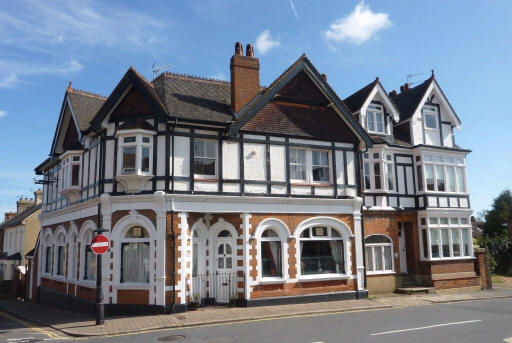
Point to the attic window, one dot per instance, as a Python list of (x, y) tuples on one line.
[(375, 119), (430, 115)]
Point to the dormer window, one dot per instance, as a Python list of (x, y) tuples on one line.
[(70, 175), (375, 119), (135, 152), (430, 115)]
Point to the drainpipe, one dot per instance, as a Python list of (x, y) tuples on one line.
[(173, 236), (361, 185)]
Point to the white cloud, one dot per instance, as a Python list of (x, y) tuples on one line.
[(357, 27), (264, 42), (294, 10), (2, 113), (10, 70)]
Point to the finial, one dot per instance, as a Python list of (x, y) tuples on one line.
[(432, 72), (69, 85)]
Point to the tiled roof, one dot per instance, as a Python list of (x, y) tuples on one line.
[(195, 98), (85, 106), (355, 101), (408, 101), (18, 219)]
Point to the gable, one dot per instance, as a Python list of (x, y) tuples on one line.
[(71, 138), (302, 89), (278, 117), (132, 104), (67, 135)]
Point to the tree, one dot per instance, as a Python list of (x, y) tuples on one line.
[(496, 220)]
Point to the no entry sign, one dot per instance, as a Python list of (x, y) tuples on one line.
[(100, 244)]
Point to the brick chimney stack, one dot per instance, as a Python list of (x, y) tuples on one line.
[(23, 204), (9, 215), (38, 197), (245, 76)]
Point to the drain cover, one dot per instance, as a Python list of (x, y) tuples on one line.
[(171, 338)]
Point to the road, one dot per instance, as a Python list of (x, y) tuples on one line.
[(477, 321)]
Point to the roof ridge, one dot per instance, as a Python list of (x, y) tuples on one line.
[(82, 92), (189, 76), (140, 75)]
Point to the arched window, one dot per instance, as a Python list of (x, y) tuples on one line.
[(89, 257), (225, 233), (73, 253), (60, 254), (47, 252), (195, 251), (135, 255), (322, 251), (379, 254), (271, 254)]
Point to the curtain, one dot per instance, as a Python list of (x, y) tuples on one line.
[(275, 248), (90, 267), (337, 255), (135, 262)]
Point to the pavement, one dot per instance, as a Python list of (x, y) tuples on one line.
[(79, 325)]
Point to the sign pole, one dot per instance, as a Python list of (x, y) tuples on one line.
[(100, 306)]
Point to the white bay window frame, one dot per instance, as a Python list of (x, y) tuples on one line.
[(305, 163), (142, 141), (386, 167), (375, 116), (440, 166)]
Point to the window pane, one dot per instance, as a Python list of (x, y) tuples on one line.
[(420, 178), (229, 262), (429, 176), (48, 262), (434, 242), (204, 166), (137, 232), (271, 259), (463, 221), (320, 158), (269, 233), (388, 264), (199, 148), (431, 121), (443, 221), (460, 180), (90, 264), (377, 251), (376, 239), (145, 140), (129, 139), (320, 174), (450, 174), (425, 242), (456, 242), (440, 178), (128, 159), (367, 175), (135, 262), (376, 173), (446, 243), (61, 252), (370, 121), (145, 159), (220, 263), (391, 177), (465, 241), (379, 120), (75, 172), (320, 257), (369, 258)]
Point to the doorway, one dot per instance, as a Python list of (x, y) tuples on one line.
[(402, 248), (225, 283)]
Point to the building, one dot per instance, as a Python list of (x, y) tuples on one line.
[(416, 212), (214, 190), (19, 234)]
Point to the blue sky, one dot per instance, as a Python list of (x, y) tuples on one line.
[(45, 44)]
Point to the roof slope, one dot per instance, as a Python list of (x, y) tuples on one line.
[(355, 101), (18, 219), (195, 98), (85, 106), (408, 101)]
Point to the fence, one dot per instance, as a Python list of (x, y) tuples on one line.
[(219, 287)]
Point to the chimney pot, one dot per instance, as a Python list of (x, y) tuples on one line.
[(324, 76), (238, 49), (393, 93), (249, 50)]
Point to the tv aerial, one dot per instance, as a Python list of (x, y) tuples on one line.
[(410, 76), (157, 69)]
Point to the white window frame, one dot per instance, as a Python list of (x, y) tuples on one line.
[(444, 162), (138, 144), (282, 246), (436, 223), (86, 240), (72, 255), (309, 168), (385, 165), (371, 112), (59, 243), (143, 240), (47, 243), (216, 158), (430, 111), (374, 247)]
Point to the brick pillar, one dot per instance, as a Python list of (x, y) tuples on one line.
[(483, 267)]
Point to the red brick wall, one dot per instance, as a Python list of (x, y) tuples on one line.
[(245, 80), (86, 293), (302, 288), (53, 284), (455, 283), (129, 296), (453, 266)]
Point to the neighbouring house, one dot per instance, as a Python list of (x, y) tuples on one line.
[(229, 191), (19, 234)]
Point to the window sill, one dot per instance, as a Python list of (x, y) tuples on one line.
[(86, 283), (133, 183), (442, 259), (382, 273), (312, 184), (323, 277), (205, 179), (271, 280), (132, 285)]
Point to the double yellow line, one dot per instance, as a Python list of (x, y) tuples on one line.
[(48, 333)]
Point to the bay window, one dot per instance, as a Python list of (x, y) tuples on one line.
[(379, 254), (310, 166), (446, 238), (135, 154), (322, 251), (442, 174), (379, 171), (135, 256), (375, 119), (271, 254), (205, 158)]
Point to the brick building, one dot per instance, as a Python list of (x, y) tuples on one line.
[(219, 191)]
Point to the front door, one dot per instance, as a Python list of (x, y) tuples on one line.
[(402, 248), (225, 273)]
